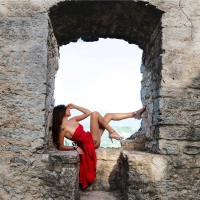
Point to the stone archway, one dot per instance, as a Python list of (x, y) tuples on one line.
[(135, 22)]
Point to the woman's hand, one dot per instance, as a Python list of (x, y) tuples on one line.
[(70, 106), (85, 111), (79, 150)]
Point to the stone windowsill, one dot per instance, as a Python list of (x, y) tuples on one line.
[(67, 157)]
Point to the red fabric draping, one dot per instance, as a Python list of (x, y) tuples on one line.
[(88, 160)]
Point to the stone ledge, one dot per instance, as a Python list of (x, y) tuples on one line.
[(136, 144), (100, 195), (108, 154), (141, 172), (67, 157), (60, 175), (147, 159)]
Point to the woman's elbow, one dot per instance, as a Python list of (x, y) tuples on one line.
[(64, 148), (89, 113), (60, 147)]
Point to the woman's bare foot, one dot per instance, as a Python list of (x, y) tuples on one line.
[(137, 114)]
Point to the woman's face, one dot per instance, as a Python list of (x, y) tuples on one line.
[(68, 113)]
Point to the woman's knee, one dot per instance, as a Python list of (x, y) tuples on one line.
[(108, 116), (95, 114)]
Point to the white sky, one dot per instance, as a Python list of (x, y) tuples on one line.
[(103, 75)]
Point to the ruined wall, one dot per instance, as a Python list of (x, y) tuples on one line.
[(151, 69), (27, 67), (175, 114), (23, 57), (52, 67), (179, 93), (26, 172)]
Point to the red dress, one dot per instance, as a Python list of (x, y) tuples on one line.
[(88, 160)]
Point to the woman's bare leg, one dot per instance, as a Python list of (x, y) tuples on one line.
[(95, 120), (98, 123), (114, 116), (119, 116)]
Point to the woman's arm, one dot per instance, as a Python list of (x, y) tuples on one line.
[(62, 147), (61, 142), (68, 148), (65, 148), (84, 110)]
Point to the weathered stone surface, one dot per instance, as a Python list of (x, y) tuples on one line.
[(191, 150), (101, 195), (135, 135), (20, 160), (151, 176), (60, 176), (90, 24), (67, 157), (187, 132), (178, 148), (186, 161), (137, 141), (141, 172), (151, 70), (169, 147), (108, 172), (52, 67)]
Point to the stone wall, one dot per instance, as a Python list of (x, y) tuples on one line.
[(179, 100), (168, 32), (142, 174), (151, 69), (26, 171), (59, 177), (23, 68), (52, 67), (154, 176)]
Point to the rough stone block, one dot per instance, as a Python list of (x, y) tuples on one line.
[(192, 150), (60, 177), (183, 162), (169, 147), (186, 132), (179, 33), (143, 171), (108, 172), (66, 157), (173, 45), (189, 118), (136, 142)]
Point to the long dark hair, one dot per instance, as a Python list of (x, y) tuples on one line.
[(58, 113)]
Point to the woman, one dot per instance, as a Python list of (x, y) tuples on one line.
[(86, 142)]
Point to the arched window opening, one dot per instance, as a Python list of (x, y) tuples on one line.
[(134, 22), (102, 76)]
